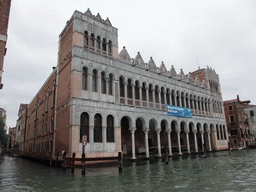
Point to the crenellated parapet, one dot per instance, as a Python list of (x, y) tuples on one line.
[(204, 78)]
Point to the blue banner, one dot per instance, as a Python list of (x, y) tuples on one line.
[(178, 111)]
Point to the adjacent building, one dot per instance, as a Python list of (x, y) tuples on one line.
[(237, 121), (4, 19), (250, 111), (120, 103)]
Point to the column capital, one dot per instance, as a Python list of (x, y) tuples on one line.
[(133, 129), (168, 131), (158, 130), (146, 130)]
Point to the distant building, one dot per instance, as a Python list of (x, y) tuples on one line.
[(119, 103), (250, 111), (237, 122), (20, 127), (12, 138), (4, 19)]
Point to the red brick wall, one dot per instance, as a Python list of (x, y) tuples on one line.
[(4, 18)]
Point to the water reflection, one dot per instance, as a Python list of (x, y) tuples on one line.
[(217, 172)]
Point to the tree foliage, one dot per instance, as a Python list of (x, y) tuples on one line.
[(3, 136)]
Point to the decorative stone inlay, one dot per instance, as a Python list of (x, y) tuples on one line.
[(107, 69), (90, 64), (116, 71)]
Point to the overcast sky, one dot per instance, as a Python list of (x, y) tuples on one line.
[(186, 34)]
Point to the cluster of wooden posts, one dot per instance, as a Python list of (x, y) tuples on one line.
[(70, 162)]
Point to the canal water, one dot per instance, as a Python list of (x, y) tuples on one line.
[(218, 172)]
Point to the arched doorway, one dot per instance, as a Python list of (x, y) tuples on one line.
[(199, 138), (152, 137), (183, 140), (126, 141), (163, 133), (139, 137), (174, 136), (191, 137)]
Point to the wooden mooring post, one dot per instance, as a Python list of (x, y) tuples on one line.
[(57, 158), (64, 161), (166, 156), (73, 163), (120, 162), (83, 164)]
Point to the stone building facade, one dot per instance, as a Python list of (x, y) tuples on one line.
[(237, 121), (120, 102), (4, 19)]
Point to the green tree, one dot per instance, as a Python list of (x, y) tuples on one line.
[(3, 136)]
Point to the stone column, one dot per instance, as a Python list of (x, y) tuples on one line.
[(159, 142), (104, 138), (153, 94), (146, 130), (195, 140), (140, 90), (165, 101), (89, 85), (98, 84), (175, 99), (202, 138), (188, 146), (125, 92), (169, 141), (133, 94), (178, 134), (147, 98), (159, 98), (107, 79), (133, 129), (91, 138), (209, 140)]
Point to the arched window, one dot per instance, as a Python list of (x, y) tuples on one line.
[(199, 108), (104, 45), (187, 101), (168, 96), (162, 96), (53, 94), (121, 83), (110, 129), (97, 128), (221, 133), (156, 94), (47, 100), (129, 89), (195, 103), (150, 93), (103, 83), (178, 99), (86, 38), (45, 128), (191, 101), (218, 133), (94, 80), (182, 100), (202, 102), (44, 101), (84, 126), (110, 84), (173, 97), (92, 40), (110, 47), (137, 90), (224, 131), (84, 78), (42, 133), (98, 42), (52, 124), (144, 92)]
